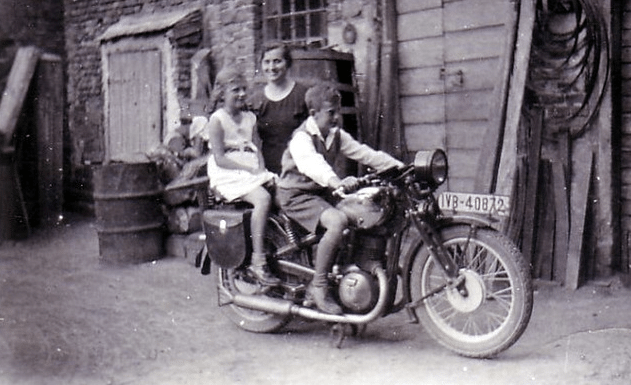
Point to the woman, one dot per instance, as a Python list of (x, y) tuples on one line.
[(279, 105)]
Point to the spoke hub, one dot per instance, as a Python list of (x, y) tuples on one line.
[(474, 293)]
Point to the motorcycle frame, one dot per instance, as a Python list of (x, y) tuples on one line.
[(429, 224), (429, 227)]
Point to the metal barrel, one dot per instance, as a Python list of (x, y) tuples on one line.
[(130, 220)]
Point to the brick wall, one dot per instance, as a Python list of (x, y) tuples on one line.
[(33, 22), (230, 30), (85, 21), (29, 23), (625, 132), (234, 33)]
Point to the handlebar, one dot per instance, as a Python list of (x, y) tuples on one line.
[(371, 178)]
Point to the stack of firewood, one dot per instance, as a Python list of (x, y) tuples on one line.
[(185, 183)]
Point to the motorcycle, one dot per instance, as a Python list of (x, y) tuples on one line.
[(464, 281)]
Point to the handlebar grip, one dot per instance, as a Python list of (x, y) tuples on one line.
[(339, 192)]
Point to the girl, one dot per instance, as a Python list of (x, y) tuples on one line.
[(236, 168)]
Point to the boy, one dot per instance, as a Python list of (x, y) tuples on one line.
[(307, 176)]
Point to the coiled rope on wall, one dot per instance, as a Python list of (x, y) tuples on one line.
[(569, 62)]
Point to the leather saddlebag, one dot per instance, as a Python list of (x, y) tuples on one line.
[(228, 236)]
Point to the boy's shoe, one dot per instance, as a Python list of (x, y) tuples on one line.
[(324, 302), (263, 275)]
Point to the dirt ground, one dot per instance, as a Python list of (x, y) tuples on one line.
[(66, 318)]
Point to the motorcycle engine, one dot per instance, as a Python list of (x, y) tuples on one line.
[(358, 291)]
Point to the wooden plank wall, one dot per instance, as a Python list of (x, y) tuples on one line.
[(135, 104), (451, 60), (50, 124), (420, 45), (625, 161)]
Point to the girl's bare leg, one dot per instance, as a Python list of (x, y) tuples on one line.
[(261, 200)]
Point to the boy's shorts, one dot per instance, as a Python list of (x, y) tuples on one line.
[(304, 208)]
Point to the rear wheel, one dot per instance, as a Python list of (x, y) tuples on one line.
[(492, 311), (237, 281)]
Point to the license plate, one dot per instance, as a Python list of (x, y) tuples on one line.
[(474, 203)]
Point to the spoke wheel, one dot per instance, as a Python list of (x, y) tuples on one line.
[(237, 281), (491, 309)]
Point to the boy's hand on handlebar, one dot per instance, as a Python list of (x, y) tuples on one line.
[(342, 186), (349, 183)]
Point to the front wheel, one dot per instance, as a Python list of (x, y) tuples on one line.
[(490, 310)]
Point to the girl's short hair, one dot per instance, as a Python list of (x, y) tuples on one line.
[(275, 44), (227, 75), (317, 95)]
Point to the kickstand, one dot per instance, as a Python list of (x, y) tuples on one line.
[(340, 331), (339, 334)]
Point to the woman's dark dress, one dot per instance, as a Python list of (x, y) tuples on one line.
[(276, 121)]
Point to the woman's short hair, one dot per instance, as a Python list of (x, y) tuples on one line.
[(275, 44), (317, 95)]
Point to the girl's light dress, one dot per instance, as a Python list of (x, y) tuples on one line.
[(239, 147)]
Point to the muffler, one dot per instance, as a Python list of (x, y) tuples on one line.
[(285, 307)]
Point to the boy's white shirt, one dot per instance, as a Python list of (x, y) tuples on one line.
[(312, 164)]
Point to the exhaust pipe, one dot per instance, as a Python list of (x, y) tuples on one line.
[(280, 306)]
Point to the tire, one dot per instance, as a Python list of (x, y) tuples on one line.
[(498, 305), (237, 280)]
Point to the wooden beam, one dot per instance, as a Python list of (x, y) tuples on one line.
[(50, 124), (560, 166), (607, 209), (532, 184), (508, 159), (486, 176), (584, 160), (17, 86), (544, 252), (201, 82)]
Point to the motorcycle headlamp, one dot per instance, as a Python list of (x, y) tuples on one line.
[(431, 167)]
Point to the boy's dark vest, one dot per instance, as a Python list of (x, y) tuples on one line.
[(291, 178)]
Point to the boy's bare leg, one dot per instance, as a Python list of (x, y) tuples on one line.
[(261, 200), (334, 221)]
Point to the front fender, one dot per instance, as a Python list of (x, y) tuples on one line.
[(469, 219)]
